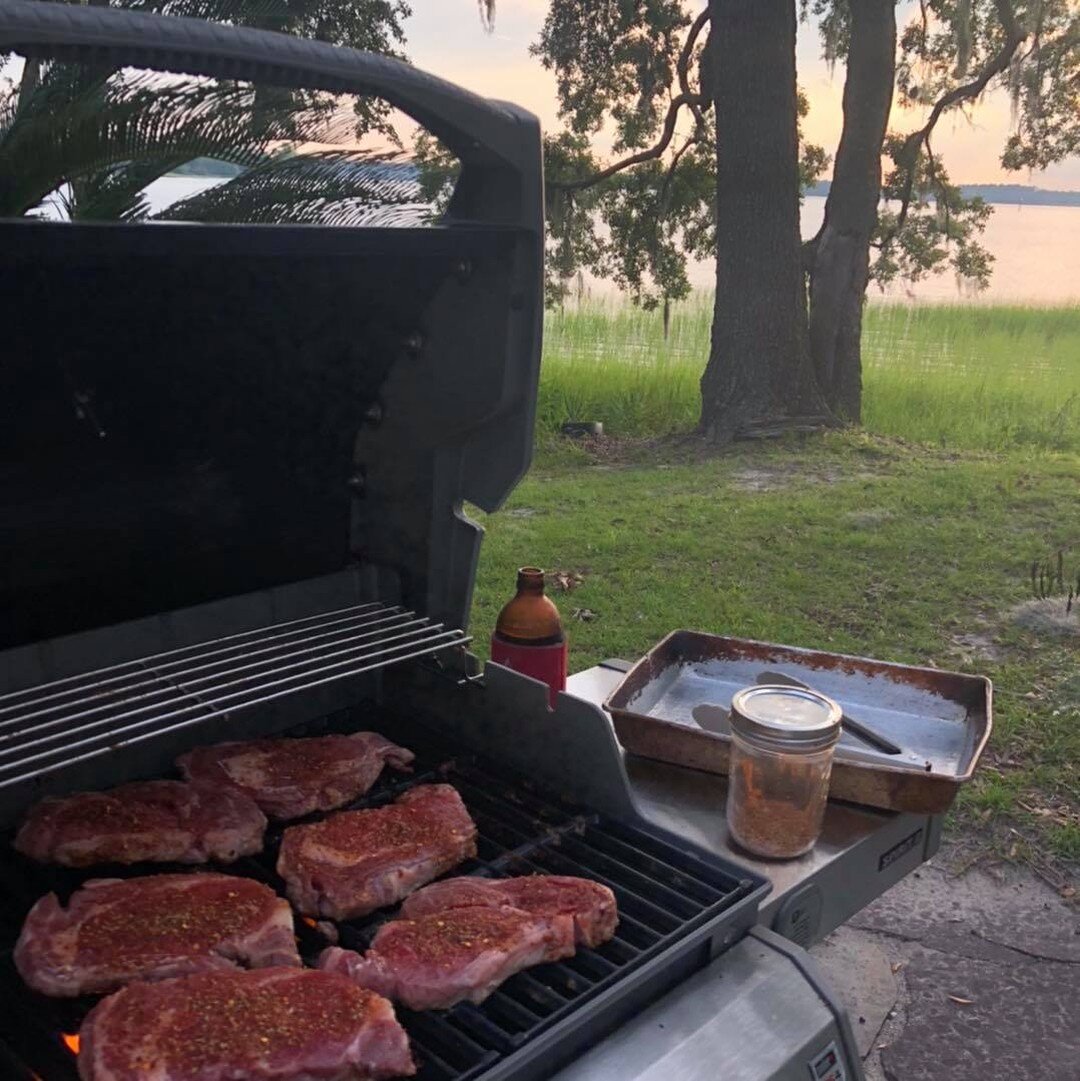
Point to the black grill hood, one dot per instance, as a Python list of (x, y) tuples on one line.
[(192, 412)]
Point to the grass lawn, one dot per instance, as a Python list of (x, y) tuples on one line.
[(853, 542), (994, 377)]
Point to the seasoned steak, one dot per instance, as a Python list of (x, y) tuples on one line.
[(276, 1024), (591, 905), (435, 961), (114, 931), (354, 862), (289, 778), (161, 821)]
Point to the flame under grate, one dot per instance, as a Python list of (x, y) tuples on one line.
[(663, 894)]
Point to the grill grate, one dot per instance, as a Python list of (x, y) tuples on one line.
[(71, 720), (664, 894)]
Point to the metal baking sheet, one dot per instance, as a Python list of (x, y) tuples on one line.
[(672, 706)]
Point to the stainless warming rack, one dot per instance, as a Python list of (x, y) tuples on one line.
[(82, 717)]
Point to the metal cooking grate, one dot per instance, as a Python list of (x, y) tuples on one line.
[(664, 894), (57, 724)]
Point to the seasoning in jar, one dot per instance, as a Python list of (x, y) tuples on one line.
[(782, 741)]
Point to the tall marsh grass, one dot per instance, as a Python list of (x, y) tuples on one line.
[(968, 376)]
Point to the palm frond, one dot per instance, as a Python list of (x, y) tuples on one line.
[(75, 126), (337, 187), (117, 193)]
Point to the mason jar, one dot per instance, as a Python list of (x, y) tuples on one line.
[(782, 741)]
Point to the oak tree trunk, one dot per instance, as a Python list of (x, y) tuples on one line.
[(840, 254), (759, 377), (31, 76)]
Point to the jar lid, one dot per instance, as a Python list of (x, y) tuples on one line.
[(788, 718)]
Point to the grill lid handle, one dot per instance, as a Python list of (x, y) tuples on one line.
[(478, 130)]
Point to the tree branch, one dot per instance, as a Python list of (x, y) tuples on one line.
[(936, 184), (686, 97), (687, 52), (651, 154), (683, 65), (665, 187), (917, 140), (31, 76)]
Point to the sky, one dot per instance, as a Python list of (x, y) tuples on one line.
[(446, 38)]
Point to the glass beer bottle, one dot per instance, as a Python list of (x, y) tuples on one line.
[(529, 636)]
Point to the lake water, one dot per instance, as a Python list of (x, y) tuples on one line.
[(1037, 250)]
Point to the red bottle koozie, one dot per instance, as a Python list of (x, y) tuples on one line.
[(545, 663)]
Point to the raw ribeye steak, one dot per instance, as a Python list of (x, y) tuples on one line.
[(289, 778), (354, 862), (160, 821), (275, 1024), (435, 961), (591, 904), (114, 931)]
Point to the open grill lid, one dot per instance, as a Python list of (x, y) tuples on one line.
[(196, 411)]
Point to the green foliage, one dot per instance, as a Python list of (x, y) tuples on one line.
[(573, 237), (332, 187), (951, 51), (813, 160), (614, 61), (1045, 85), (439, 168), (618, 68), (940, 230), (660, 212), (97, 136), (655, 217), (949, 41), (834, 24), (108, 135)]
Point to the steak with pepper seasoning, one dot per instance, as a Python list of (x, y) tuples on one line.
[(591, 905), (160, 821), (354, 862), (115, 931), (290, 778), (435, 961), (276, 1024)]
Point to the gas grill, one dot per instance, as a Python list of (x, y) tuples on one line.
[(675, 905), (232, 476)]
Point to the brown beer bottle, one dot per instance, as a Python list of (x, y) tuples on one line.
[(529, 636)]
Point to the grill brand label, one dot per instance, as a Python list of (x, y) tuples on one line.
[(898, 850)]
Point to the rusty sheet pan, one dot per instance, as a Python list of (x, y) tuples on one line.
[(672, 706)]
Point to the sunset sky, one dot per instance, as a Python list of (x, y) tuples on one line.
[(446, 38)]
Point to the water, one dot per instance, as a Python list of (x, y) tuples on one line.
[(169, 189), (160, 193), (1036, 248)]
